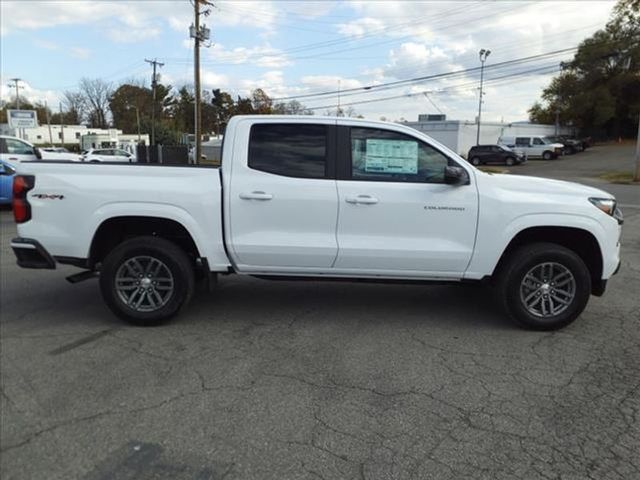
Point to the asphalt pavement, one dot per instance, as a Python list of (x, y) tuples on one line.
[(320, 380)]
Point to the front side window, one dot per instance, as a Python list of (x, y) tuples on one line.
[(522, 141), (291, 150), (385, 155), (17, 147)]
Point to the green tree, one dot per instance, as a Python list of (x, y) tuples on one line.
[(599, 90)]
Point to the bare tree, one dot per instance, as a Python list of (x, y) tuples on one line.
[(74, 107), (96, 93)]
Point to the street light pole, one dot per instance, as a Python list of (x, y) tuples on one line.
[(483, 57)]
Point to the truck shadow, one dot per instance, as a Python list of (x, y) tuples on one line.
[(280, 301)]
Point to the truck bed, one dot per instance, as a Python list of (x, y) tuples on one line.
[(71, 200)]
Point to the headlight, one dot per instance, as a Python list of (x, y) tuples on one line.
[(607, 205)]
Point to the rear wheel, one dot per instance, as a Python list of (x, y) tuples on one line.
[(544, 286), (146, 280), (475, 161)]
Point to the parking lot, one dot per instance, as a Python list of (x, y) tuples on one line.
[(304, 380)]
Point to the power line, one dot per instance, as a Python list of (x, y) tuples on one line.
[(382, 86), (540, 70)]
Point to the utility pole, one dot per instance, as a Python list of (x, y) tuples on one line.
[(46, 111), (196, 81), (483, 57), (17, 87), (154, 82), (199, 34), (339, 110), (61, 125)]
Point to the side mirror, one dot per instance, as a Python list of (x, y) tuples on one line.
[(37, 153), (455, 176)]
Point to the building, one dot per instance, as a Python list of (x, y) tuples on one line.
[(460, 135), (112, 138), (81, 135)]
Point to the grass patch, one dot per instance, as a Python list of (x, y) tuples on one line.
[(486, 169), (619, 177)]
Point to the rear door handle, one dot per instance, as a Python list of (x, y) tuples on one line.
[(13, 158), (361, 199), (256, 195)]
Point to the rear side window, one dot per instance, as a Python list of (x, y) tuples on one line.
[(291, 150)]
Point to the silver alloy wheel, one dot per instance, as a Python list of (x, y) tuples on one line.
[(144, 283), (547, 289)]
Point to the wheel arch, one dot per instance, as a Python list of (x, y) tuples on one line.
[(580, 241), (113, 231)]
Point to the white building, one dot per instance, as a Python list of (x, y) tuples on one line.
[(57, 134), (460, 135), (112, 138)]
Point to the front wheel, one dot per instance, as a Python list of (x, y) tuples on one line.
[(544, 286), (547, 155), (510, 161), (475, 161), (146, 280)]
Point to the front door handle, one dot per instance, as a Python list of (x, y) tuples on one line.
[(361, 199), (256, 195)]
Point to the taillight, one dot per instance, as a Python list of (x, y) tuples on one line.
[(21, 208)]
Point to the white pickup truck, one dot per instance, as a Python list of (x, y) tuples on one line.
[(330, 198)]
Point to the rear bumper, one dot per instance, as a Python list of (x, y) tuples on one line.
[(31, 254)]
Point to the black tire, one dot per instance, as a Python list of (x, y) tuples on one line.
[(475, 161), (522, 262), (510, 161), (174, 262), (547, 155)]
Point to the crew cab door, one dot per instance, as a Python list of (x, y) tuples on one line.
[(397, 214), (282, 198)]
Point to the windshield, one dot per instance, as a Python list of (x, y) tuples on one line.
[(549, 140), (505, 148)]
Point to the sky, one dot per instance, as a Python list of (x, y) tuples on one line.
[(300, 48)]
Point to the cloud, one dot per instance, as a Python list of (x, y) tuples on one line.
[(361, 26), (80, 52), (46, 44), (214, 80), (261, 56)]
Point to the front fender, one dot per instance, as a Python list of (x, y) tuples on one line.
[(491, 244)]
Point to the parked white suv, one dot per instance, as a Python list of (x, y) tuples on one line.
[(96, 155), (534, 146), (59, 153)]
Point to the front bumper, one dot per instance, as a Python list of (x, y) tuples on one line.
[(31, 254)]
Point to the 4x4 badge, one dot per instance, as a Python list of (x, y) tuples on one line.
[(47, 196)]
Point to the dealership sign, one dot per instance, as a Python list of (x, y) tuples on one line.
[(22, 118)]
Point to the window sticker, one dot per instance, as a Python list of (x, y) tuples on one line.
[(391, 156)]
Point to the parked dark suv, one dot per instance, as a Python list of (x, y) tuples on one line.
[(494, 154)]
